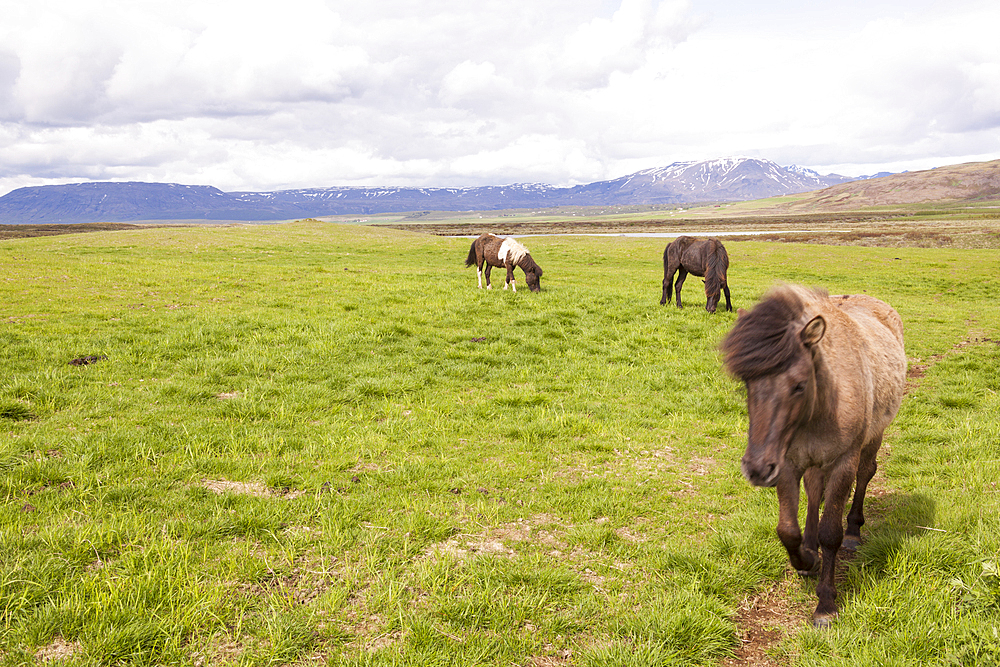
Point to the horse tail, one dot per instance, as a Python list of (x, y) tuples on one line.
[(716, 267), (471, 259), (668, 277)]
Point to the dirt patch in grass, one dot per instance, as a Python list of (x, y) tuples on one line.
[(463, 547), (221, 486), (57, 650), (221, 651), (367, 628), (494, 542), (764, 620), (655, 461), (255, 489), (702, 465), (559, 658), (299, 585)]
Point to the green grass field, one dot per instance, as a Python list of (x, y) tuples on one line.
[(315, 443)]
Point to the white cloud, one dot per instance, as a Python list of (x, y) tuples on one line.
[(622, 43), (534, 156), (447, 92), (475, 85)]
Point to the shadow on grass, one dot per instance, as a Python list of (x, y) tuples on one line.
[(893, 521)]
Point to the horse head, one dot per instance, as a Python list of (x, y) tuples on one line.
[(533, 276), (771, 350), (713, 301)]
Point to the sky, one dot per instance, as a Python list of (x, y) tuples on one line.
[(262, 96)]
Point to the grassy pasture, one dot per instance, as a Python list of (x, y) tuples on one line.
[(319, 444)]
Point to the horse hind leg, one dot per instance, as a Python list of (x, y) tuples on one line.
[(487, 272), (668, 285)]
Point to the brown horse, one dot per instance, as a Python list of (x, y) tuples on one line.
[(503, 253), (824, 377), (701, 257)]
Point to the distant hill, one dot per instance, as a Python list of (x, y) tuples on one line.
[(728, 179), (111, 202), (962, 182)]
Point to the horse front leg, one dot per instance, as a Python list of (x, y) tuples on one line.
[(831, 535), (510, 277), (867, 466), (788, 521), (681, 275), (814, 482), (729, 304)]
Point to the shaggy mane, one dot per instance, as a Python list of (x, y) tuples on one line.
[(763, 341), (716, 266), (513, 249)]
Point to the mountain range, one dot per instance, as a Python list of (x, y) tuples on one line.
[(726, 179)]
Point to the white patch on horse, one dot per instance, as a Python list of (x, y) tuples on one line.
[(479, 275), (513, 249)]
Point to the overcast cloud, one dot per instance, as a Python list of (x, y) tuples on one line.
[(313, 93)]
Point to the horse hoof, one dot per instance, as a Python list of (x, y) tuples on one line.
[(817, 564), (823, 621), (850, 543)]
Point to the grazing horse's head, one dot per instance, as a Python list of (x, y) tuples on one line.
[(771, 349), (533, 276), (713, 301)]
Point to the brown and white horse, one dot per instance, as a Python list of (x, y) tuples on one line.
[(824, 378), (503, 253)]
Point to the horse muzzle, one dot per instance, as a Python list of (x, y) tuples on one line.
[(760, 472)]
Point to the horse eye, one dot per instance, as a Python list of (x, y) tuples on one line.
[(799, 388)]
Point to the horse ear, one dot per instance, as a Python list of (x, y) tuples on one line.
[(813, 332)]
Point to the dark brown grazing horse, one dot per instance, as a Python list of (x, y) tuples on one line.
[(824, 377), (503, 253), (701, 257)]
